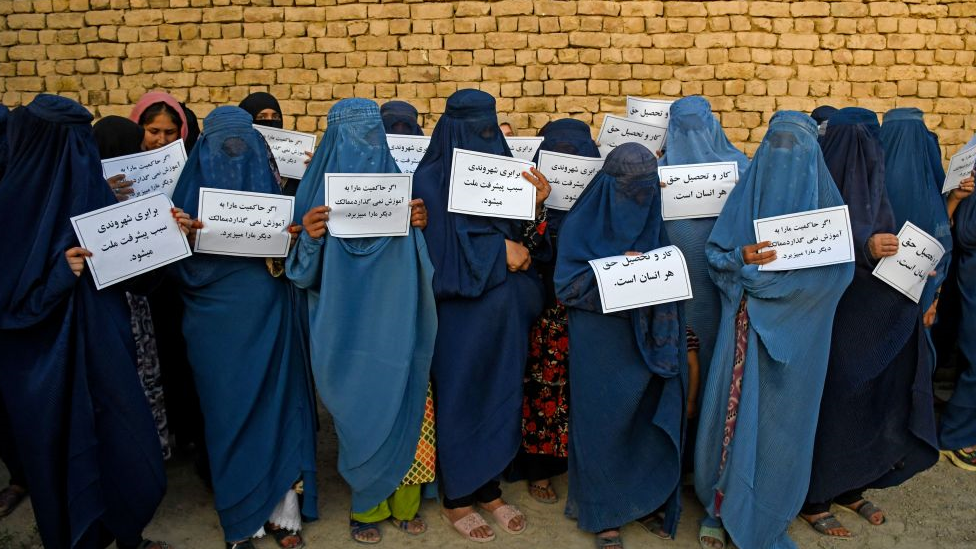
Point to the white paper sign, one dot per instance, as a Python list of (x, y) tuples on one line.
[(651, 111), (696, 190), (130, 238), (288, 149), (960, 167), (616, 131), (524, 147), (368, 204), (151, 171), (244, 224), (568, 175), (908, 270), (629, 282), (407, 150), (490, 185), (807, 239)]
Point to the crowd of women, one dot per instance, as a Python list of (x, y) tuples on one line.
[(446, 358)]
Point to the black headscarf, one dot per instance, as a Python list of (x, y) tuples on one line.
[(257, 102), (192, 128), (117, 136)]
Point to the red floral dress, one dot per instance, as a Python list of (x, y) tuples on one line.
[(545, 404)]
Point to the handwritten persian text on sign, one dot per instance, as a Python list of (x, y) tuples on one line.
[(629, 282), (908, 270), (524, 147), (651, 111), (130, 238), (568, 175), (288, 149), (407, 150), (616, 131), (960, 167), (490, 185), (244, 224), (807, 239), (368, 204), (151, 171), (696, 190)]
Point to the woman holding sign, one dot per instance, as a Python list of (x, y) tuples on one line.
[(487, 297), (246, 346), (266, 111), (629, 373), (545, 404), (877, 422), (376, 388), (161, 118), (752, 471), (69, 377)]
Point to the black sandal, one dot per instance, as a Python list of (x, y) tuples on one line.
[(246, 544), (279, 535)]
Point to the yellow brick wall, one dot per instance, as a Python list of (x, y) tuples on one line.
[(539, 58)]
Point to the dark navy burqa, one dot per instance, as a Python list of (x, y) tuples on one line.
[(958, 427), (760, 489), (68, 373), (484, 311), (630, 371), (400, 117), (246, 344), (877, 425)]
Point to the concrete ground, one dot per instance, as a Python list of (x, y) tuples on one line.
[(936, 509)]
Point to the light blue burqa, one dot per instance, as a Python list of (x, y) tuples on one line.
[(372, 314), (762, 485), (695, 136)]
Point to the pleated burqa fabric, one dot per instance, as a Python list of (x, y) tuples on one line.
[(759, 485), (630, 371), (877, 421)]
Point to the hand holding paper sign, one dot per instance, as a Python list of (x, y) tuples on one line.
[(752, 256), (957, 195), (883, 245), (76, 259), (542, 187)]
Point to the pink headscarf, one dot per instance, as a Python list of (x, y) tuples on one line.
[(151, 98)]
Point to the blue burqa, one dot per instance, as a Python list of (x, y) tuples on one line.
[(245, 344), (766, 475), (630, 372), (68, 375), (914, 177), (484, 311), (695, 136), (958, 425), (877, 422), (372, 314), (400, 117)]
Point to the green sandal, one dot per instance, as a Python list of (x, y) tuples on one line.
[(716, 533)]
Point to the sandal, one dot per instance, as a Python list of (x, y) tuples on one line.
[(469, 523), (611, 542), (959, 458), (281, 534), (357, 528), (246, 544), (404, 525), (867, 510), (543, 494), (716, 533), (825, 524), (10, 498), (654, 524), (503, 516)]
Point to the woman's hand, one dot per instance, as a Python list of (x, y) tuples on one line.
[(929, 318), (517, 256), (76, 259), (309, 159), (883, 245), (121, 187), (964, 189), (418, 213), (314, 221), (188, 227), (294, 230), (541, 185), (752, 256)]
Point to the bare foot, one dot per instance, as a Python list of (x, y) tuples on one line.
[(517, 524), (612, 538), (414, 526), (541, 490), (455, 515)]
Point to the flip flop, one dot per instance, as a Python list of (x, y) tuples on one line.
[(826, 523), (543, 494), (404, 525), (866, 510), (963, 460), (654, 524), (356, 528), (469, 523), (714, 532), (504, 514)]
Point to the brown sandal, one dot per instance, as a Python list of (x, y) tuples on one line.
[(543, 494)]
